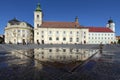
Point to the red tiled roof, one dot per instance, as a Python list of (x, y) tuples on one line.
[(99, 29), (59, 25)]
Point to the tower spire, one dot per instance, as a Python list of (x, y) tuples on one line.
[(38, 7), (110, 20), (76, 19)]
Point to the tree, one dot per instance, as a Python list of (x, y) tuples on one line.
[(119, 41)]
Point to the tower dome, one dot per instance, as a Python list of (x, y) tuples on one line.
[(38, 7), (111, 25), (110, 21)]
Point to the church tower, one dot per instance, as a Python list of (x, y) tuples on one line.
[(111, 25), (38, 16)]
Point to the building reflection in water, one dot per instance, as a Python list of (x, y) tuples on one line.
[(50, 63), (26, 56), (62, 54)]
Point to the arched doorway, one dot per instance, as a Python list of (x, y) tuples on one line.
[(84, 42)]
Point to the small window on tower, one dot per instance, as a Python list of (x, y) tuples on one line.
[(37, 16), (37, 25)]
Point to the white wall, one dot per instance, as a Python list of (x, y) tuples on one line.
[(45, 33), (101, 37)]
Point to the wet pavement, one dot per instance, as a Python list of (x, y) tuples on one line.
[(17, 66)]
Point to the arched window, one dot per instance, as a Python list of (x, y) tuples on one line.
[(37, 16)]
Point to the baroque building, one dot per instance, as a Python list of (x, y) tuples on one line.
[(58, 32), (47, 32), (18, 32), (104, 35), (70, 32)]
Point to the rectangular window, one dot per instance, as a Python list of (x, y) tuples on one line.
[(57, 50), (57, 38), (77, 50), (50, 32), (18, 30), (37, 25), (37, 16), (71, 39), (84, 32), (37, 33), (77, 40), (70, 50), (23, 35), (57, 32), (42, 32), (50, 38), (23, 30), (50, 50), (84, 36), (42, 36), (64, 32), (64, 50), (64, 39), (77, 32)]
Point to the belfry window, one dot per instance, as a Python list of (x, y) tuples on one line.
[(37, 16), (37, 25)]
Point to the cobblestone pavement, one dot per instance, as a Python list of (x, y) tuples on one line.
[(10, 47)]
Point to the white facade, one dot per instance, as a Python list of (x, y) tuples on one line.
[(111, 25), (60, 33), (104, 35), (57, 32), (63, 54), (60, 36), (64, 33), (18, 32), (101, 37)]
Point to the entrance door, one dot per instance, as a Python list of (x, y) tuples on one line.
[(38, 42), (84, 42), (24, 42), (42, 41)]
